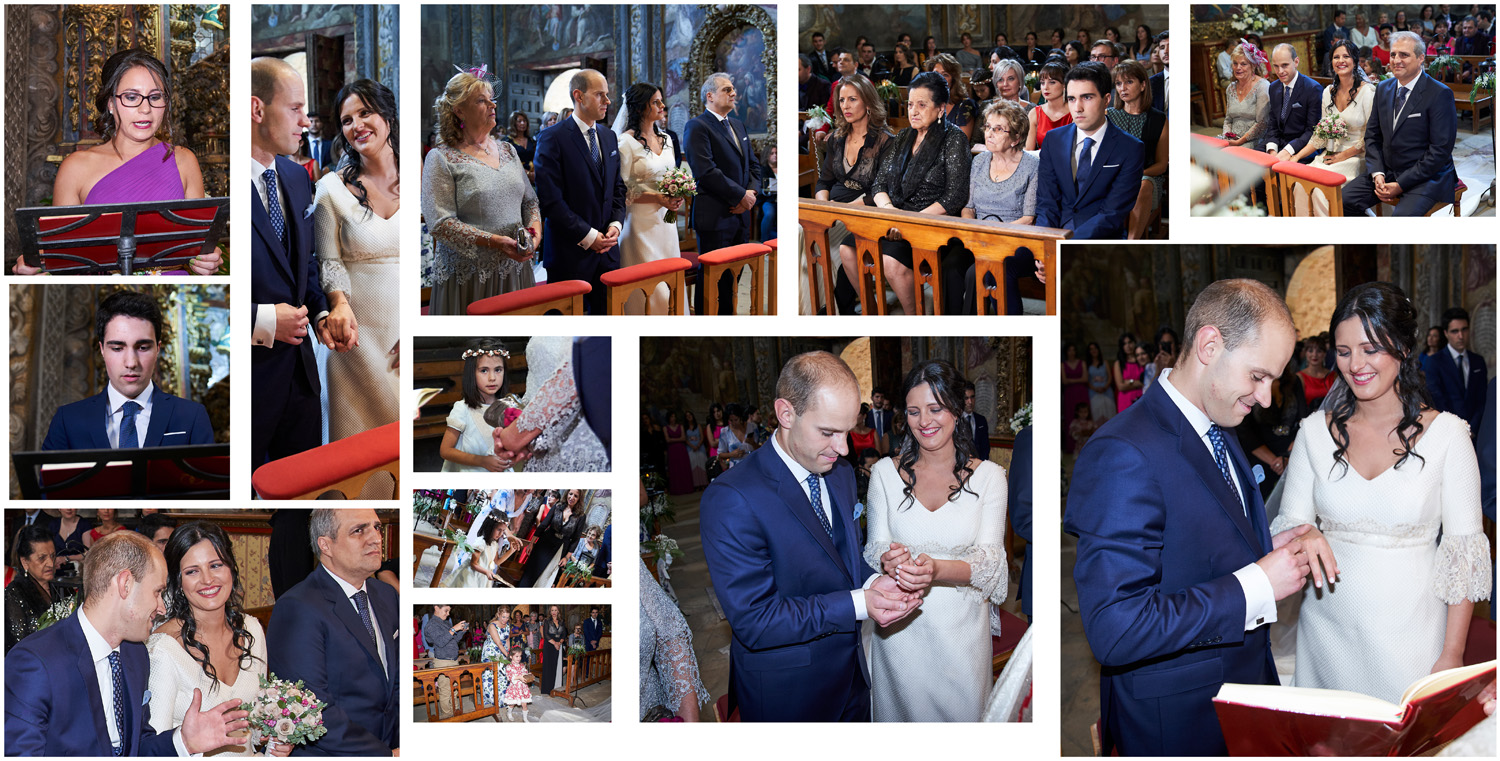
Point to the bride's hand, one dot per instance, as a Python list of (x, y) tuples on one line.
[(893, 557), (673, 204), (280, 749), (916, 575)]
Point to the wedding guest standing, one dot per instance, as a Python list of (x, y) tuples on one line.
[(697, 450), (559, 530), (850, 162), (728, 174), (1457, 383), (679, 469), (1293, 109), (1247, 97), (1090, 174), (1148, 125), (646, 153), (28, 596), (443, 639), (554, 645), (518, 134), (1316, 378), (482, 212), (1352, 98)]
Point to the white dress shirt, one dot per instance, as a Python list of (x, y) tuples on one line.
[(1260, 598), (349, 591), (583, 127), (1463, 370), (1078, 136), (116, 414), (263, 332), (99, 651), (801, 474)]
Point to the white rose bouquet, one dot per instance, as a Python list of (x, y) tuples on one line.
[(285, 712)]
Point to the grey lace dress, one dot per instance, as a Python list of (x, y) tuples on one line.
[(669, 670), (1007, 200), (463, 201), (566, 443)]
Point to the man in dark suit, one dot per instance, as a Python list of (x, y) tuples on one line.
[(1470, 40), (78, 687), (822, 63), (1336, 31), (1091, 173), (1408, 139), (1019, 501), (593, 630), (1294, 109), (976, 424), (581, 192), (316, 143), (1457, 385), (338, 632), (879, 417), (602, 559), (1177, 572), (1161, 82), (591, 368), (728, 174), (130, 412), (812, 90), (783, 549), (284, 286)]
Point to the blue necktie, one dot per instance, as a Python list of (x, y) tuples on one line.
[(1221, 456), (1286, 104), (1085, 163), (362, 602), (594, 149), (129, 439), (273, 206), (815, 494), (117, 678), (1400, 99)]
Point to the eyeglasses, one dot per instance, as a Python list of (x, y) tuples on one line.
[(992, 129), (132, 99), (1098, 57)]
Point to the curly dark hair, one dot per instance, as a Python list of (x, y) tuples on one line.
[(114, 70), (1390, 322), (378, 98), (184, 538), (947, 385), (637, 101), (1356, 75)]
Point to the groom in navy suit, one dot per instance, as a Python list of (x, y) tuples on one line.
[(130, 412), (78, 687), (727, 171), (581, 192), (1177, 572), (1295, 105), (784, 550), (337, 631), (1091, 173), (1408, 140), (287, 416)]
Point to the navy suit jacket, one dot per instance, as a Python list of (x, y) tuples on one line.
[(52, 703), (1305, 111), (884, 429), (981, 437), (593, 631), (322, 152), (316, 636), (577, 195), (785, 588), (1447, 387), (174, 422), (1159, 91), (723, 174), (1101, 207), (1160, 535), (282, 276), (1417, 151), (1020, 508), (591, 376)]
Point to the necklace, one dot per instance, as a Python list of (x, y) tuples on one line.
[(484, 148)]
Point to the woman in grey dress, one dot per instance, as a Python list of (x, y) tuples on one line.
[(1002, 188), (669, 669), (1248, 97), (485, 220)]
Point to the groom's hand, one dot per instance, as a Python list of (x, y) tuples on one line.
[(1286, 568), (893, 557), (291, 323), (1315, 549), (203, 731), (886, 603)]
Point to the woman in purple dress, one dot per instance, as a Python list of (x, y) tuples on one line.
[(1075, 391), (133, 163), (679, 468)]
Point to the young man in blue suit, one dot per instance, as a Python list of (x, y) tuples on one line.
[(78, 687), (1408, 140), (784, 551), (581, 192), (1295, 107), (728, 173), (131, 411), (1458, 375), (337, 631), (593, 630), (978, 426), (287, 298), (1019, 483), (1177, 572), (1091, 173), (1161, 83)]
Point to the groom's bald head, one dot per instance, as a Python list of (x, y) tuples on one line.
[(817, 401), (805, 374)]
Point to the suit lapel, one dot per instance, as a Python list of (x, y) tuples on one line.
[(260, 219), (581, 145), (343, 610), (1197, 456), (97, 411), (386, 619), (1418, 89), (295, 228), (1101, 158), (85, 663), (161, 413), (791, 496)]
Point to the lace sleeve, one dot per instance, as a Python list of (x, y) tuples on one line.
[(989, 573), (440, 209), (531, 208), (1463, 561), (956, 161), (1297, 506), (666, 634), (877, 518), (1262, 109), (326, 222), (553, 405)]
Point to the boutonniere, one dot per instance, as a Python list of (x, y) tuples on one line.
[(310, 207)]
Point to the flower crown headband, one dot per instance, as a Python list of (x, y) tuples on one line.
[(503, 354), (1253, 53)]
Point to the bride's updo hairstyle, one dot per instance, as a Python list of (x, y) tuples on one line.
[(637, 99), (947, 386), (114, 70), (1390, 322), (184, 538)]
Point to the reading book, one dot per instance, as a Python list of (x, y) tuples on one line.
[(1269, 720)]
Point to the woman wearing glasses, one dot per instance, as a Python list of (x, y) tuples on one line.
[(1002, 186), (136, 160)]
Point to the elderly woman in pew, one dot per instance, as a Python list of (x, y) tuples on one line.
[(1148, 125), (926, 171), (1002, 188), (853, 155)]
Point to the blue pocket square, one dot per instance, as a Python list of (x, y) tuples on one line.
[(145, 699), (1296, 105)]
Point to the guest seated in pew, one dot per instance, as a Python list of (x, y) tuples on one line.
[(1161, 75), (1293, 110), (982, 87), (1002, 188), (1441, 42), (1075, 53), (1352, 99), (859, 140), (1409, 139), (1136, 116), (1382, 51), (130, 412), (961, 111), (1090, 173), (843, 63), (132, 163), (1247, 97), (905, 65), (926, 171), (1053, 111), (1010, 83), (812, 90)]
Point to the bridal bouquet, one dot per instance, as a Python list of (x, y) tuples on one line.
[(1250, 19), (1331, 128), (55, 612), (676, 183), (285, 712)]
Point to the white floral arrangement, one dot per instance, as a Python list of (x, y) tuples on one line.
[(285, 712), (1251, 19), (1021, 419)]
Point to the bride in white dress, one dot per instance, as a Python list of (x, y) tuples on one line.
[(359, 263), (646, 152), (1353, 99), (1384, 474), (947, 525), (208, 642), (551, 422)]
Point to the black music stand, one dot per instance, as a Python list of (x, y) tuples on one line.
[(139, 483)]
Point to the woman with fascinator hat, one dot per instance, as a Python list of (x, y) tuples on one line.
[(1247, 97)]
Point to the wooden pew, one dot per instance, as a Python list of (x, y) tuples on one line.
[(580, 671), (991, 242), (1290, 176), (468, 682), (643, 278), (561, 297), (1482, 108)]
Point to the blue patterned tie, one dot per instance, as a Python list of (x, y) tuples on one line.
[(273, 206), (362, 602), (594, 149), (815, 494), (1221, 456), (1286, 104), (1400, 99), (1085, 163), (117, 678), (129, 439)]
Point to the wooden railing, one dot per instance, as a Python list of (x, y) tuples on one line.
[(424, 687), (580, 671), (991, 242)]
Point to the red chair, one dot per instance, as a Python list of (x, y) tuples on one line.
[(340, 467), (771, 277), (733, 260), (1266, 162), (643, 278), (1012, 628), (1213, 142), (1311, 179), (721, 710), (564, 297)]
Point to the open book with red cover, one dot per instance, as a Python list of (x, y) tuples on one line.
[(1270, 720)]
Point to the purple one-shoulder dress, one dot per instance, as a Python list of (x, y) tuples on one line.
[(151, 176)]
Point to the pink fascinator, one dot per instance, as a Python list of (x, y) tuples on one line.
[(478, 72), (1252, 53)]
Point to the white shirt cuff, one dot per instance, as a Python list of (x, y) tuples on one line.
[(263, 332), (861, 613), (180, 745), (1271, 147), (1260, 598), (588, 240), (318, 321), (1378, 176), (615, 227)]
